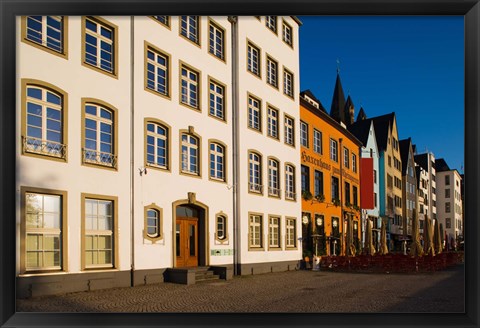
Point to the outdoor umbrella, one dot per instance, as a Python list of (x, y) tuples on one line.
[(383, 238), (437, 238), (416, 247), (369, 246), (428, 237)]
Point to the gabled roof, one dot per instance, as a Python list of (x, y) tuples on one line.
[(422, 160), (310, 95), (361, 130), (382, 125), (441, 165), (337, 110), (404, 150)]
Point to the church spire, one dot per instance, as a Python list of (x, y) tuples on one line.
[(337, 110)]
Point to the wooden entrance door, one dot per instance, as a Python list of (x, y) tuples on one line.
[(186, 239)]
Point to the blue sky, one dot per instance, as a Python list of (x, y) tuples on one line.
[(410, 65)]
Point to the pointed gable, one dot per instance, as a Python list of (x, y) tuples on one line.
[(349, 111), (405, 147), (361, 115), (338, 102), (361, 130), (383, 125)]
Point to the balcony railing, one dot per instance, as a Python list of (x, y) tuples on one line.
[(99, 158), (290, 195), (44, 147), (274, 192), (255, 187)]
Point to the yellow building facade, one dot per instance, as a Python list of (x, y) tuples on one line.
[(330, 180)]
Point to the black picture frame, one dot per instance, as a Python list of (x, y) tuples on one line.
[(470, 9)]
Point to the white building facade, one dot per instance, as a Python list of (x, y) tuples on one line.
[(129, 161)]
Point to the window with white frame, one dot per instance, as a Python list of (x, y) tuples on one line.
[(346, 157), (217, 100), (99, 236), (333, 150), (157, 145), (287, 34), (47, 31), (253, 59), (273, 178), (221, 227), (99, 45), (287, 82), (289, 131), (272, 123), (153, 223), (255, 172), (272, 72), (317, 141), (189, 28), (217, 161), (216, 41), (274, 232), (271, 23), (254, 114), (289, 182), (190, 84), (99, 136), (290, 233), (165, 20), (255, 233), (354, 162), (44, 122), (190, 154), (157, 71), (43, 232), (304, 134)]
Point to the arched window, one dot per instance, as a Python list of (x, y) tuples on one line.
[(289, 182), (273, 178), (190, 154), (217, 161), (153, 223), (157, 145), (255, 172), (221, 227)]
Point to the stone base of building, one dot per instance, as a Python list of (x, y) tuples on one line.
[(33, 286), (268, 267)]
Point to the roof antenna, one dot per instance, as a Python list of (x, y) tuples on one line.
[(338, 65)]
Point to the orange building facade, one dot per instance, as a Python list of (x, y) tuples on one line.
[(330, 178)]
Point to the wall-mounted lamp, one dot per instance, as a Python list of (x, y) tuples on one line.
[(142, 170)]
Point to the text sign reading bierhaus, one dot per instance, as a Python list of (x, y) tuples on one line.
[(321, 164)]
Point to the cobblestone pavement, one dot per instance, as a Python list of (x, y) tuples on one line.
[(293, 291)]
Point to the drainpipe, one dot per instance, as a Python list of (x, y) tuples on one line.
[(235, 141), (341, 199), (132, 144)]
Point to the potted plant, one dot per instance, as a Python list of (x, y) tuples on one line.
[(336, 201), (307, 195), (319, 198)]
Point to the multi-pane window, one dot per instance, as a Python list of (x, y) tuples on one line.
[(157, 71), (153, 223), (271, 23), (99, 45), (165, 20), (254, 114), (272, 72), (274, 232), (347, 194), (253, 59), (189, 28), (272, 122), (217, 161), (355, 195), (447, 180), (354, 162), (289, 182), (287, 83), (44, 122), (447, 193), (335, 191), (216, 41), (99, 136), (273, 178), (304, 134), (333, 150), (221, 227), (447, 207), (305, 178), (289, 131), (318, 183), (47, 31), (290, 233), (99, 237), (448, 223), (190, 84), (317, 141), (346, 157), (190, 154), (254, 172), (287, 34), (255, 231), (217, 100), (157, 145), (43, 231)]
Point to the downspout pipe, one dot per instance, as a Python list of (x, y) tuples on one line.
[(235, 146), (340, 189), (132, 148)]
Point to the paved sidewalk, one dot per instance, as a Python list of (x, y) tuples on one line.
[(294, 292)]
